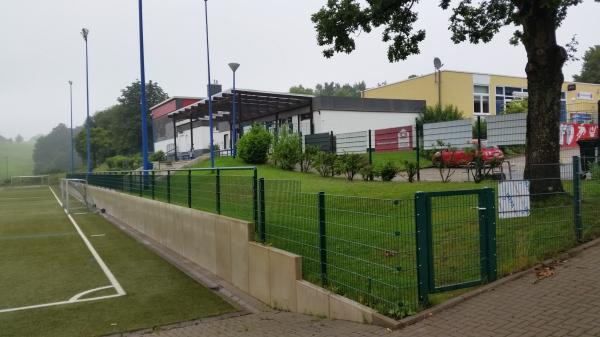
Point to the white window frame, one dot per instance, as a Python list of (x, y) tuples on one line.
[(481, 97)]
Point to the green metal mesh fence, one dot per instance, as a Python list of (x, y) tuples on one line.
[(365, 248), (359, 247)]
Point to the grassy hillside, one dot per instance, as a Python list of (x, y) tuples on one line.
[(20, 158)]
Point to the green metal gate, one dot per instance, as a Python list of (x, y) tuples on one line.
[(456, 240)]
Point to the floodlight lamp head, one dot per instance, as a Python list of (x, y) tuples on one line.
[(70, 82), (437, 63), (234, 66), (84, 33)]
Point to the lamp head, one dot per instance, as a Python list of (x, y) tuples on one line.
[(84, 33), (70, 82), (234, 66)]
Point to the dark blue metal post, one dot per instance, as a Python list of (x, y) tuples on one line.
[(234, 67), (84, 33), (234, 128), (143, 93), (210, 111), (72, 150)]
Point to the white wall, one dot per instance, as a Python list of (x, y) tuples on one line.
[(352, 121), (201, 139), (162, 145)]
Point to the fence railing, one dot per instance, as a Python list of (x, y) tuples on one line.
[(394, 254)]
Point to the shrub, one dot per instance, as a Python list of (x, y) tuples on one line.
[(123, 162), (434, 114), (351, 164), (367, 172), (287, 150), (387, 171), (325, 163), (411, 170), (158, 156), (308, 157), (254, 146)]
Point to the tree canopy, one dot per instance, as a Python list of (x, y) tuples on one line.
[(117, 130), (590, 72), (475, 22), (331, 89)]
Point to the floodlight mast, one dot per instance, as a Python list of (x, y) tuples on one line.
[(234, 67), (143, 101), (71, 100), (210, 110), (85, 32)]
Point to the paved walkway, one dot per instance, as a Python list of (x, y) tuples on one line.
[(564, 304)]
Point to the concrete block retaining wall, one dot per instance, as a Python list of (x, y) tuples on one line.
[(224, 246)]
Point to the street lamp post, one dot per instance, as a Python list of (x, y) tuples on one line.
[(85, 32), (71, 100), (210, 111), (143, 102), (234, 67)]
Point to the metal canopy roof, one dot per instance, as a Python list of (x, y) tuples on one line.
[(251, 104)]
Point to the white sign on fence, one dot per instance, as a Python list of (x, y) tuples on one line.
[(513, 199)]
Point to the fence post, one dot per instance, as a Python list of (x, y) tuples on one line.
[(577, 199), (255, 197), (130, 181), (189, 188), (479, 157), (418, 147), (331, 142), (141, 193), (152, 182), (262, 222), (490, 209), (218, 191), (169, 186), (322, 238), (421, 215), (370, 150)]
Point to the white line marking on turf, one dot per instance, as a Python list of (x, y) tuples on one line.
[(92, 250), (97, 235), (61, 303), (83, 293), (77, 298)]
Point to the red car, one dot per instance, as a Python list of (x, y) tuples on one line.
[(461, 157)]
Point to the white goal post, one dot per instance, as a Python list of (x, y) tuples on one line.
[(74, 196), (38, 180)]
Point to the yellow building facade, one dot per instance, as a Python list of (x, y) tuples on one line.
[(487, 94)]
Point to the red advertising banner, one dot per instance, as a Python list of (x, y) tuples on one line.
[(570, 133), (394, 139)]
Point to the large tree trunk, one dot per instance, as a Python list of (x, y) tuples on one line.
[(545, 59)]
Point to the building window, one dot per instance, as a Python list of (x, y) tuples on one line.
[(505, 95), (481, 99)]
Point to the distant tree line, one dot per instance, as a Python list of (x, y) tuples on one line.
[(18, 139), (52, 152), (115, 130), (331, 89)]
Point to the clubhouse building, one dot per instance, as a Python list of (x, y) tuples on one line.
[(487, 94)]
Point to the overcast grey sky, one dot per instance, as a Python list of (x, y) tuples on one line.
[(274, 40)]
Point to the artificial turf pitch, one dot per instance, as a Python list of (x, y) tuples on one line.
[(46, 270)]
